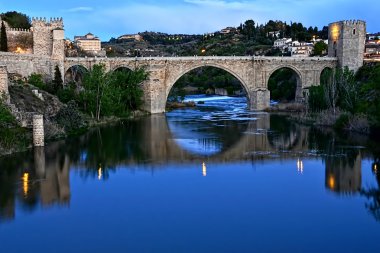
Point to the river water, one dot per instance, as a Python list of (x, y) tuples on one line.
[(216, 178)]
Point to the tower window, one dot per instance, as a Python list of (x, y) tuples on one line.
[(354, 32)]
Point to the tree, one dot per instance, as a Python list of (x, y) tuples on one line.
[(330, 88), (96, 82), (16, 19), (57, 81), (3, 38), (249, 28), (320, 48)]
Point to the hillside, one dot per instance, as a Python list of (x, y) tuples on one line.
[(247, 39)]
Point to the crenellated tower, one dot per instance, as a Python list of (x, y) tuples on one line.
[(48, 37), (347, 43)]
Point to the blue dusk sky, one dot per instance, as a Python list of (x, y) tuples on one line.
[(112, 18)]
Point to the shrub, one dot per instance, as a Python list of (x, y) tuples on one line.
[(37, 81), (342, 122), (70, 118)]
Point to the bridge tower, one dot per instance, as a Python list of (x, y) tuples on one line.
[(347, 43), (48, 38)]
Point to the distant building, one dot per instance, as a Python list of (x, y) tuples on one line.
[(135, 37), (373, 36), (301, 49), (88, 42), (372, 48), (228, 30), (283, 44), (275, 34)]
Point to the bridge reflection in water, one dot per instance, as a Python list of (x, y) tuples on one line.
[(42, 177)]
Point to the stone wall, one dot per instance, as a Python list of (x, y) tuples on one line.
[(20, 40), (25, 64), (38, 131)]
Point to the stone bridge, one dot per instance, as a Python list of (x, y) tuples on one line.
[(252, 72)]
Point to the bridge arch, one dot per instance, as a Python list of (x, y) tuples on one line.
[(74, 73), (185, 71), (298, 75), (120, 67)]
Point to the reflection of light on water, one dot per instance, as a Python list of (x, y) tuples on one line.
[(331, 182), (100, 173), (204, 169), (300, 166), (25, 181)]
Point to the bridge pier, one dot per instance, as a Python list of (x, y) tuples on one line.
[(259, 99), (4, 91)]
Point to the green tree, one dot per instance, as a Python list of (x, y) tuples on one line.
[(95, 82), (3, 38), (57, 81), (249, 28), (320, 48), (16, 19)]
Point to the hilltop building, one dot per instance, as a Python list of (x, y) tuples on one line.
[(90, 44), (135, 37)]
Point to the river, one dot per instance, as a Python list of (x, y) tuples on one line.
[(215, 178)]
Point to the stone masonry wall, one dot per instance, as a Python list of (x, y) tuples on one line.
[(20, 38), (24, 65), (347, 43), (44, 36), (38, 131)]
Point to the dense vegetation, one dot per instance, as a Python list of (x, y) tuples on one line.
[(353, 100), (3, 38), (16, 19), (98, 93), (249, 38), (12, 136)]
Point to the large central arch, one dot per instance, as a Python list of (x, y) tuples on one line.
[(183, 72)]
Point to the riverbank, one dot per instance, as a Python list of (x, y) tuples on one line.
[(16, 139)]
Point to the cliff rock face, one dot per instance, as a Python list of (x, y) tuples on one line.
[(28, 102)]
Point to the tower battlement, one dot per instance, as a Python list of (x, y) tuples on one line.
[(347, 42), (48, 36)]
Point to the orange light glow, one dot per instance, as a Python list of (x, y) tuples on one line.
[(19, 50), (25, 181), (335, 32), (203, 51), (100, 173), (331, 182)]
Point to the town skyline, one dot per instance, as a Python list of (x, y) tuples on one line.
[(177, 17)]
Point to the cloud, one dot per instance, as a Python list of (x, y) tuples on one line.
[(79, 9)]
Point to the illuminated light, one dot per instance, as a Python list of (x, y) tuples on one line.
[(331, 182), (100, 173), (300, 166), (19, 50), (203, 51), (204, 169), (375, 168), (25, 181), (335, 32)]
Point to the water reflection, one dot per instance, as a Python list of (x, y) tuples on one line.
[(42, 177)]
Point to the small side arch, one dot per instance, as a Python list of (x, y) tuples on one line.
[(75, 73), (298, 96)]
